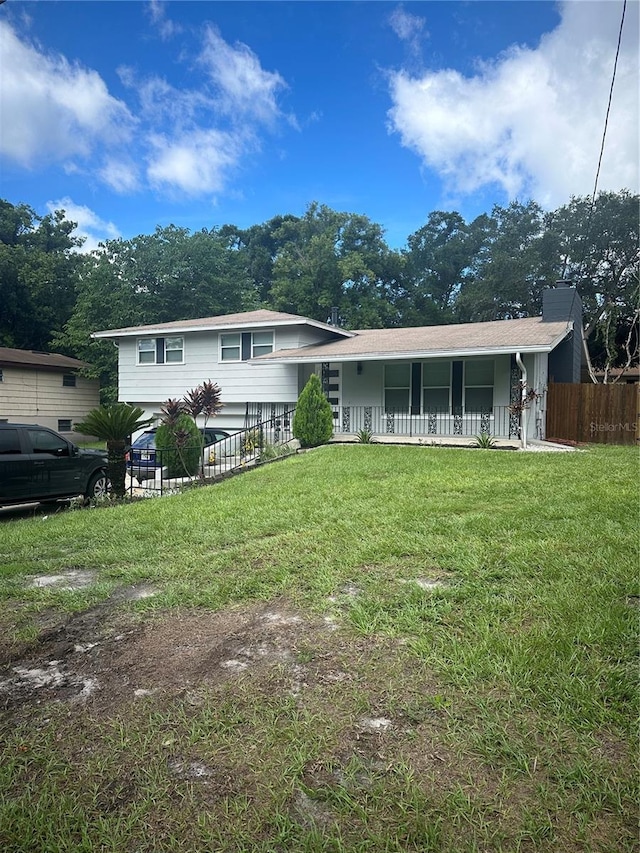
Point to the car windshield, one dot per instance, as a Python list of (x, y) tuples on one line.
[(147, 439)]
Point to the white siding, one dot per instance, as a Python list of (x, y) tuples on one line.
[(38, 396), (149, 385)]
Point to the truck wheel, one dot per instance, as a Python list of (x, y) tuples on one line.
[(97, 486)]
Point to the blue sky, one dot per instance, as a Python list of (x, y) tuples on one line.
[(136, 114)]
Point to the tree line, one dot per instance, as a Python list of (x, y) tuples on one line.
[(450, 271)]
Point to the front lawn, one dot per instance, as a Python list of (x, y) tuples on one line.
[(360, 648)]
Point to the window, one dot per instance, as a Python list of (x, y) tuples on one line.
[(230, 347), (9, 441), (161, 350), (46, 442), (69, 380), (239, 346), (147, 351), (397, 382), (173, 348), (478, 386), (261, 343), (436, 385), (64, 424)]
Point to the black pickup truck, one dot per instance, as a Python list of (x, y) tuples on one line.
[(37, 464)]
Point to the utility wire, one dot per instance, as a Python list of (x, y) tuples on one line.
[(606, 120)]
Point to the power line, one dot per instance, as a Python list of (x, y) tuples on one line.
[(613, 80)]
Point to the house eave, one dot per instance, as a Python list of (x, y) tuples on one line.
[(147, 331), (407, 356)]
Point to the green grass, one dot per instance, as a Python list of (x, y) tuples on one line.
[(510, 682)]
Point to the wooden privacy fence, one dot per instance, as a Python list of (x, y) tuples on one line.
[(604, 414)]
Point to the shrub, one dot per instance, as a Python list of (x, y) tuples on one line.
[(364, 436), (313, 419), (484, 440), (179, 445)]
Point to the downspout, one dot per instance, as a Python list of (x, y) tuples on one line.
[(523, 398)]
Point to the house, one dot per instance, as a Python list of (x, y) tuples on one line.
[(45, 388), (434, 380)]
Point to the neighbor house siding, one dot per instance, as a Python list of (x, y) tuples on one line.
[(39, 396)]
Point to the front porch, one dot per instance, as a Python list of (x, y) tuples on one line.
[(500, 423)]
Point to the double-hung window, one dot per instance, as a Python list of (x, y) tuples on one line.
[(168, 350), (436, 387), (240, 346), (397, 385), (478, 386)]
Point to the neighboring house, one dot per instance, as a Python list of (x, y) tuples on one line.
[(432, 380), (45, 388)]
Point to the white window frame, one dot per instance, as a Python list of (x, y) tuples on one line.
[(398, 387), (228, 346), (255, 346), (153, 349), (465, 385), (168, 349), (425, 387)]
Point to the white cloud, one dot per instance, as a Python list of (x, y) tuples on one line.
[(52, 109), (409, 28), (532, 120), (89, 225), (193, 163), (165, 27), (121, 174), (243, 87), (188, 139)]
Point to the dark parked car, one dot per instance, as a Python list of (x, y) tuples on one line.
[(141, 461), (37, 464)]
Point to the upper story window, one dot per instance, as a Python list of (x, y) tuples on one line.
[(161, 350), (69, 380), (239, 346), (230, 347)]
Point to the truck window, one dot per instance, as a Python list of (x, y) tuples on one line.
[(9, 441)]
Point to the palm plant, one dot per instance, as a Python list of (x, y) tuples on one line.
[(114, 424)]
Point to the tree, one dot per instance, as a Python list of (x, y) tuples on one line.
[(39, 270), (313, 418), (598, 247), (440, 259), (203, 400), (168, 275), (114, 424), (516, 261), (179, 445)]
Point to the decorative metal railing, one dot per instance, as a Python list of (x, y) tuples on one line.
[(259, 441), (380, 421)]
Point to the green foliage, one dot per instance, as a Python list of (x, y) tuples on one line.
[(252, 441), (179, 445), (38, 275), (364, 436), (313, 418), (114, 424), (484, 440)]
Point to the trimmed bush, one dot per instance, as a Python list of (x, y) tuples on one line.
[(180, 446), (313, 419)]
